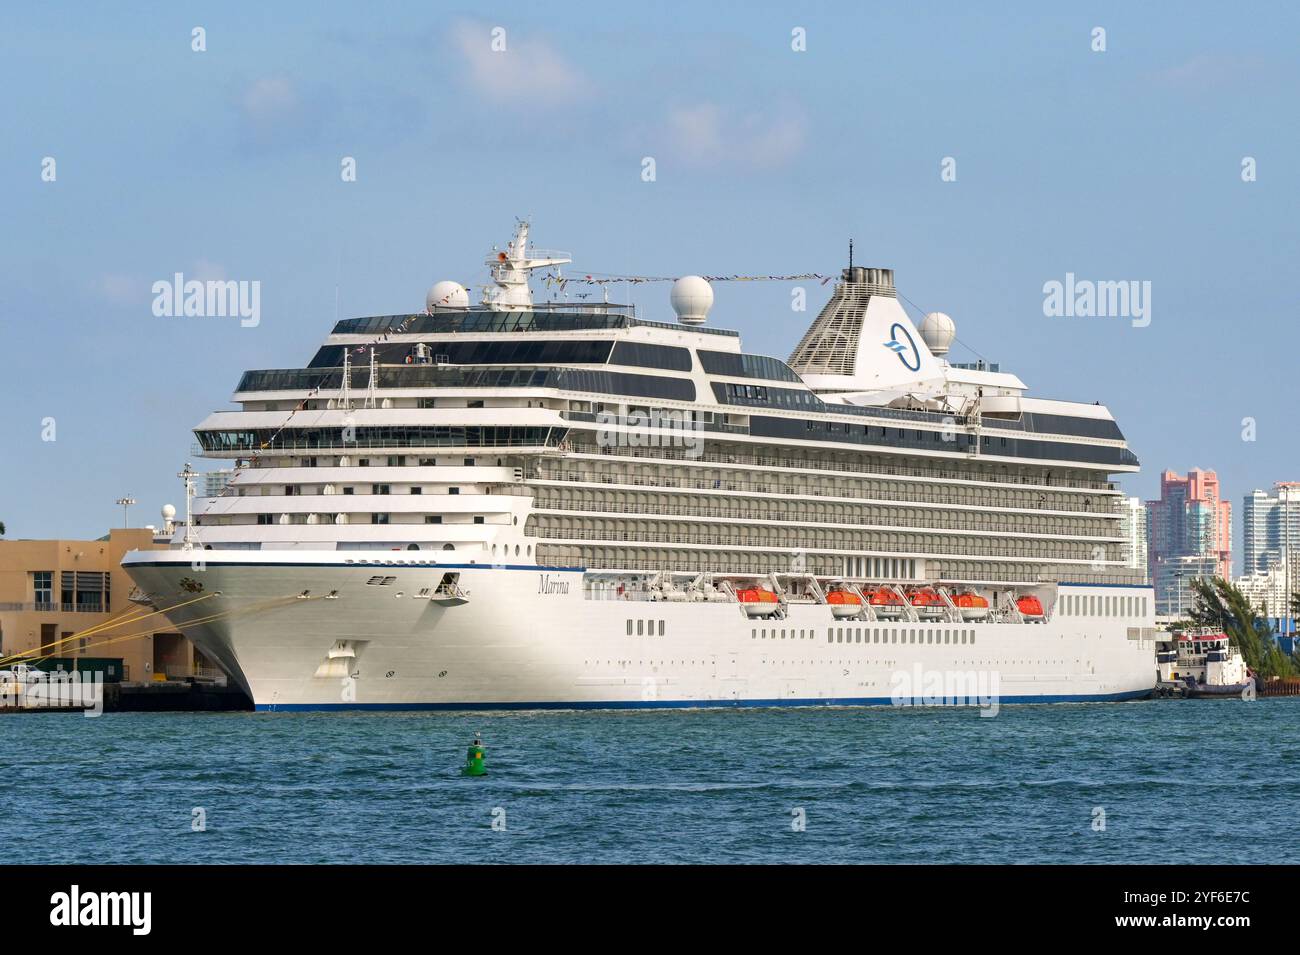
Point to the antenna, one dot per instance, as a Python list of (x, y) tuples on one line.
[(371, 401), (850, 253), (345, 394), (191, 539)]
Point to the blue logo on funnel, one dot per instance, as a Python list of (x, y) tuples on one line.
[(903, 351)]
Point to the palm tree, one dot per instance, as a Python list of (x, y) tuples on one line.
[(1221, 604)]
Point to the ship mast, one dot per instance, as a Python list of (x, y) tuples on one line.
[(509, 290)]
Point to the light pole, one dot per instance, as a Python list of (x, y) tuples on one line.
[(125, 503)]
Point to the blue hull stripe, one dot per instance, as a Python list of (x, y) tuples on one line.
[(676, 704)]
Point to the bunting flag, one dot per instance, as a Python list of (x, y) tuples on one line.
[(560, 281)]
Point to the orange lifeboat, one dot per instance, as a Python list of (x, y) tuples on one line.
[(971, 605), (926, 602), (757, 601), (886, 603), (1030, 607), (844, 603)]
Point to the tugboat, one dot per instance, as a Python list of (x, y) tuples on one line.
[(1201, 663)]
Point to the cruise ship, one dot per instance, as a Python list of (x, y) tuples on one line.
[(517, 504)]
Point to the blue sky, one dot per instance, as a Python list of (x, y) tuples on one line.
[(1123, 164)]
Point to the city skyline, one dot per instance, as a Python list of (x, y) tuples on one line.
[(210, 164)]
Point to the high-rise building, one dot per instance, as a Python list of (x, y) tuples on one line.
[(1270, 527), (1189, 535), (1172, 579), (1133, 527), (214, 482)]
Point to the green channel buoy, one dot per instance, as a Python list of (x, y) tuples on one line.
[(474, 760)]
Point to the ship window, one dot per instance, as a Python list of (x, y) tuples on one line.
[(830, 634), (661, 628), (640, 628), (629, 627), (753, 634), (433, 519), (417, 490)]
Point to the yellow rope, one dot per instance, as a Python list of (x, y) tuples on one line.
[(119, 620), (196, 620)]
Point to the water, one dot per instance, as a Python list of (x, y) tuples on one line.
[(1179, 781)]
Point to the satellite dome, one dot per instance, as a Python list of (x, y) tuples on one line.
[(168, 512), (939, 331), (692, 297), (446, 295)]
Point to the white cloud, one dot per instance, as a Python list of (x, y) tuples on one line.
[(207, 271), (1207, 71), (705, 134), (118, 289), (527, 73), (268, 100)]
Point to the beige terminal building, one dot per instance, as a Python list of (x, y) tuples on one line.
[(53, 590)]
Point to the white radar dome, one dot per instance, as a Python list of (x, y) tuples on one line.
[(168, 512), (447, 295), (939, 331), (692, 298)]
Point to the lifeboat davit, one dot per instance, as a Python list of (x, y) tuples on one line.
[(971, 605), (844, 604), (757, 601), (1030, 607), (886, 603), (926, 602)]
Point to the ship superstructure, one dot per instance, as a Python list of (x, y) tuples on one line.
[(527, 504)]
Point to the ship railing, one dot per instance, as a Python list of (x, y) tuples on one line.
[(773, 461), (660, 511), (993, 547), (798, 490), (613, 593)]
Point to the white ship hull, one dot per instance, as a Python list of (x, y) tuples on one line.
[(528, 637)]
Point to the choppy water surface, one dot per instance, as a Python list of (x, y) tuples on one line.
[(1178, 781)]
